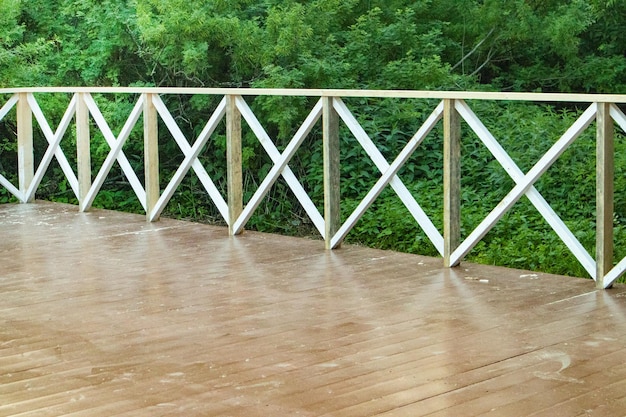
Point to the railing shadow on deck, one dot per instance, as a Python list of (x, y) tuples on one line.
[(451, 111)]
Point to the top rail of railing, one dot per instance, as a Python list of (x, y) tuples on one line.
[(417, 94)]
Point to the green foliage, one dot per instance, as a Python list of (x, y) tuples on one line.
[(516, 45), (90, 42), (19, 61)]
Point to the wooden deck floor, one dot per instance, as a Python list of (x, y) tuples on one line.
[(103, 314)]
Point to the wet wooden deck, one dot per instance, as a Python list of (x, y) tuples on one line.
[(104, 314)]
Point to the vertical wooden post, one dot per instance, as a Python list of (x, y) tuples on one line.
[(605, 172), (151, 154), (25, 154), (83, 150), (451, 181), (332, 171), (234, 162)]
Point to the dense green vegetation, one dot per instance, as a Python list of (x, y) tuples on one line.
[(517, 45)]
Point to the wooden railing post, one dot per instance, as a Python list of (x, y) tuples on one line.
[(605, 172), (83, 149), (151, 154), (451, 180), (25, 154), (234, 163), (332, 171)]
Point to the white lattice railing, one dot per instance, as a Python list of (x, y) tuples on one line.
[(451, 111)]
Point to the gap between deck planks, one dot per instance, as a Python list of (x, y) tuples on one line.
[(104, 314)]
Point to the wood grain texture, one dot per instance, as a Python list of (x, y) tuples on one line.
[(451, 182), (25, 154), (104, 314), (332, 171), (83, 147), (605, 173), (234, 161), (151, 154)]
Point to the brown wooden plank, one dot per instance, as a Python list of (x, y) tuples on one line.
[(332, 170), (605, 178), (563, 390), (234, 161), (104, 314)]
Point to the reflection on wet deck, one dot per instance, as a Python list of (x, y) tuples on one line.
[(104, 314)]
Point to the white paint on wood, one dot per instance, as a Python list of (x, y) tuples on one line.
[(381, 163), (524, 182), (25, 151), (279, 168), (116, 153), (83, 148), (54, 149), (11, 188), (191, 158), (6, 108), (389, 174), (618, 116), (524, 185), (418, 94), (615, 273), (291, 179)]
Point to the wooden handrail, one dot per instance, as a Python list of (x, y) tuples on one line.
[(452, 110), (417, 94)]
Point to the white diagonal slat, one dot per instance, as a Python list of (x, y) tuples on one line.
[(3, 180), (617, 271), (274, 155), (618, 116), (52, 138), (8, 106), (278, 168), (524, 186), (381, 163), (116, 153), (383, 181), (11, 188), (191, 158)]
